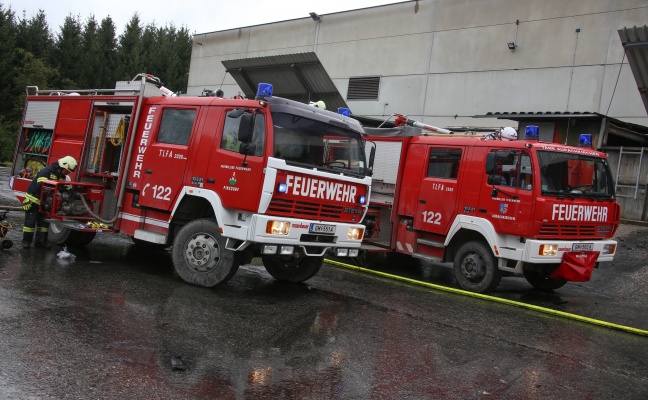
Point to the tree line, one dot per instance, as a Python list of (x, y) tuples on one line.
[(82, 55)]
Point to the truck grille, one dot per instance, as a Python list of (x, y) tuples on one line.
[(305, 209), (557, 231)]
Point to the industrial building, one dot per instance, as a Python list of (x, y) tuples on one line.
[(438, 61), (458, 64)]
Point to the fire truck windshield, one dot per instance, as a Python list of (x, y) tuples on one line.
[(315, 144), (574, 175)]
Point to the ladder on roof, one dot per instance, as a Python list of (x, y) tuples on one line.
[(627, 178)]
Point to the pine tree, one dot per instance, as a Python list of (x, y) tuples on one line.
[(89, 74), (35, 37), (106, 70), (8, 32), (8, 92), (68, 53), (129, 54)]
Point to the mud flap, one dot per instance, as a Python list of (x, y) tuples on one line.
[(576, 266)]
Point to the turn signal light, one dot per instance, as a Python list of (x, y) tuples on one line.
[(548, 249), (355, 234), (277, 228), (609, 249)]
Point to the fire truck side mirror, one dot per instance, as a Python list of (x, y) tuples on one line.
[(493, 157), (490, 163), (247, 148), (235, 113), (245, 128)]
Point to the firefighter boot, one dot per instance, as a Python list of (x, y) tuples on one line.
[(41, 240), (28, 236)]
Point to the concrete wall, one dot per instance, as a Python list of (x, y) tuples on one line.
[(443, 61)]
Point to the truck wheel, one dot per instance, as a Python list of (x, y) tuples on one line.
[(68, 237), (290, 269), (84, 238), (540, 280), (58, 234), (475, 268), (199, 254)]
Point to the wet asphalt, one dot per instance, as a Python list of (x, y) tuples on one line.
[(116, 322)]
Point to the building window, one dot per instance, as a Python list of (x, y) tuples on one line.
[(176, 126), (363, 88)]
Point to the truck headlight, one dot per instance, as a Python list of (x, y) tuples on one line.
[(548, 249), (277, 227), (355, 234), (609, 248)]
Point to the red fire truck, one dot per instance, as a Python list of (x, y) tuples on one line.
[(220, 180), (492, 207)]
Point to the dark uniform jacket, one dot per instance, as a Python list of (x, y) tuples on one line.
[(51, 172)]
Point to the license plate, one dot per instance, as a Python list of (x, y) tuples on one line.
[(320, 228), (582, 247)]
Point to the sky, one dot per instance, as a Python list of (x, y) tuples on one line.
[(198, 16)]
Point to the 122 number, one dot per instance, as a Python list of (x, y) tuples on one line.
[(430, 217)]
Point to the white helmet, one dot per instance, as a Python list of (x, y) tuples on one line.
[(318, 104), (68, 163), (508, 133)]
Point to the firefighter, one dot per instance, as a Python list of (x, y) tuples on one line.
[(34, 219)]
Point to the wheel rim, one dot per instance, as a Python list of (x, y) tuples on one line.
[(473, 267), (202, 253), (55, 228)]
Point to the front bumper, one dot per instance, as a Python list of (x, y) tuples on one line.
[(532, 247)]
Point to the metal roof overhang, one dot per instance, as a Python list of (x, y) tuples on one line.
[(300, 77), (633, 132), (635, 44), (535, 116)]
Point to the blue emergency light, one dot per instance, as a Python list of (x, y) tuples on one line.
[(362, 199), (264, 90), (344, 111), (282, 188), (585, 140), (532, 133)]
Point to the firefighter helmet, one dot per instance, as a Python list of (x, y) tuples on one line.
[(68, 163), (508, 133)]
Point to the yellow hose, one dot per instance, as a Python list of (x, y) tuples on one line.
[(545, 310), (118, 137)]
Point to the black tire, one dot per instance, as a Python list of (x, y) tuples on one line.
[(475, 268), (199, 254), (58, 234), (540, 280), (290, 269), (85, 238), (68, 237)]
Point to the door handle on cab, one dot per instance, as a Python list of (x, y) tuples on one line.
[(421, 201)]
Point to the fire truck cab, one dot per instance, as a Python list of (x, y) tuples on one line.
[(218, 180), (493, 207)]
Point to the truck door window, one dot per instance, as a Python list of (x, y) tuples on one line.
[(176, 126), (514, 171), (229, 140), (525, 177), (444, 163)]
